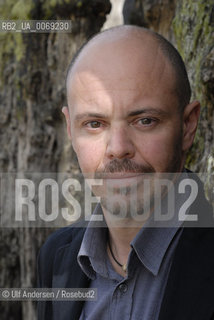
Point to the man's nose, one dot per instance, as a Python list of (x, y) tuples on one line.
[(119, 144)]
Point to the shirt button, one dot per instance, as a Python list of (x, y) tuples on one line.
[(123, 287)]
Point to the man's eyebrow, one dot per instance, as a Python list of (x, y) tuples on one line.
[(154, 111), (89, 115), (86, 115)]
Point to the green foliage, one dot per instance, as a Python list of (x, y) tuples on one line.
[(11, 43), (17, 10)]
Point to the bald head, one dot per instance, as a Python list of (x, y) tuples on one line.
[(137, 50)]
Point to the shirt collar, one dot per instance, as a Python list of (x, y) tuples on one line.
[(92, 253), (150, 244), (155, 237)]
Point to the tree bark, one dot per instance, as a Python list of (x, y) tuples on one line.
[(189, 25), (32, 129)]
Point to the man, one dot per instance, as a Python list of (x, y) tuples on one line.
[(129, 114)]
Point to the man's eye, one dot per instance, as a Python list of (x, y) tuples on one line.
[(145, 121), (93, 124)]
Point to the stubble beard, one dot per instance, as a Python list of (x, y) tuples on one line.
[(135, 202)]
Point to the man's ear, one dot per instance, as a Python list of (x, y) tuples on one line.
[(190, 122), (65, 111)]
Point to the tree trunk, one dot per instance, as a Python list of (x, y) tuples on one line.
[(32, 129), (189, 25)]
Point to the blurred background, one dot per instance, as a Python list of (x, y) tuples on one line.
[(33, 136)]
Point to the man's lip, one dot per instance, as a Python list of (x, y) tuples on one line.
[(121, 175)]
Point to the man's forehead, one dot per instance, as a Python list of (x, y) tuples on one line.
[(120, 61), (120, 74), (110, 49)]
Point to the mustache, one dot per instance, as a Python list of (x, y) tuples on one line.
[(124, 165)]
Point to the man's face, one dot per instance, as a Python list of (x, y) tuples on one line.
[(124, 113), (125, 123)]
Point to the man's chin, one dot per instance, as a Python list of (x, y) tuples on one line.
[(124, 208)]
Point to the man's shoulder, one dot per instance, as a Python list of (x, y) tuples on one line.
[(50, 253), (64, 236)]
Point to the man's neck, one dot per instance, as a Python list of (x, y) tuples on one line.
[(120, 236)]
